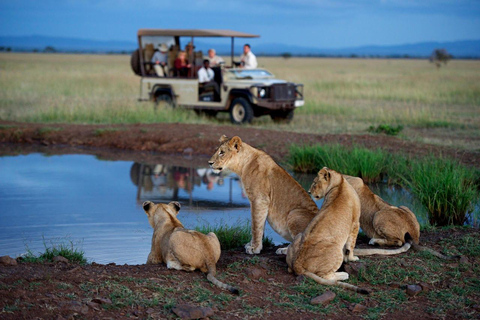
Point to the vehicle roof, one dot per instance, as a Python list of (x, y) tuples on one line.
[(195, 33)]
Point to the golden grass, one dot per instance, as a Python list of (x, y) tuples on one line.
[(342, 95)]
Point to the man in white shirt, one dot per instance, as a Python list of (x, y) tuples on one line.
[(206, 79), (248, 59), (160, 60)]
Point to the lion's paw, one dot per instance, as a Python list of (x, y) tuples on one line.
[(252, 250), (281, 251)]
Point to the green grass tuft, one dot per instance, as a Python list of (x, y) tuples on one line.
[(63, 249), (232, 237)]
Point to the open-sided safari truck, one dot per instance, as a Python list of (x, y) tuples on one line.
[(244, 93)]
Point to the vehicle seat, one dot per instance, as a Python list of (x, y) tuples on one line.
[(147, 58)]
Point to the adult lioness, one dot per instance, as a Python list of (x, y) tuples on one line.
[(179, 248), (318, 252), (387, 225), (274, 195)]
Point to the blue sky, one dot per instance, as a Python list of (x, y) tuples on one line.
[(322, 23)]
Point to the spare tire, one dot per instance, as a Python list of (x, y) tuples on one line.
[(135, 62)]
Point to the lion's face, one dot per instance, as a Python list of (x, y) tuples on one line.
[(319, 186), (225, 153), (160, 210)]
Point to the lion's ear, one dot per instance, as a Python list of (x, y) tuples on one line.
[(176, 206), (223, 138), (236, 143), (326, 173)]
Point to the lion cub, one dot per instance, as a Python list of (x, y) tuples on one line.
[(274, 195), (330, 237), (179, 248)]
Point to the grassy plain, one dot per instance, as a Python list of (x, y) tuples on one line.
[(440, 106)]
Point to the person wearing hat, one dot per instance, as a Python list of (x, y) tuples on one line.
[(160, 60)]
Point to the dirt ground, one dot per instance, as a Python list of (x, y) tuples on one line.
[(141, 141), (62, 290)]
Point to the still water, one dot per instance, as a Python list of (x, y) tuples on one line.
[(97, 205)]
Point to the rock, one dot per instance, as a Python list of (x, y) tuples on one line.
[(323, 299), (78, 307), (60, 259), (93, 305), (300, 278), (413, 290), (7, 261), (254, 273), (354, 268), (102, 301), (185, 311), (357, 307), (463, 259), (425, 286)]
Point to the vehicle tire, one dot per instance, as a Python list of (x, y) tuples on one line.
[(240, 111), (135, 62), (282, 116), (164, 100)]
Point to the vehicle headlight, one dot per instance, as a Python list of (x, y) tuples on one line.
[(261, 93)]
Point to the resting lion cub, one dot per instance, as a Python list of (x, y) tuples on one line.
[(179, 248), (274, 195), (318, 252), (387, 225)]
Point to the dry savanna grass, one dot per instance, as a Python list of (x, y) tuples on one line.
[(342, 95)]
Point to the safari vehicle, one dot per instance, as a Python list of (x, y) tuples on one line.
[(244, 93)]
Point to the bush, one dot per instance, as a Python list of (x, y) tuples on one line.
[(386, 129)]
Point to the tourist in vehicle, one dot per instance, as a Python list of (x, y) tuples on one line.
[(215, 60), (206, 79), (160, 60), (189, 53), (248, 59), (181, 65)]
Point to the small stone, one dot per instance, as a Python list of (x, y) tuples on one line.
[(463, 259), (354, 268), (102, 301), (254, 273), (425, 286), (323, 299), (60, 259), (413, 290), (185, 311), (7, 261), (357, 308), (93, 305)]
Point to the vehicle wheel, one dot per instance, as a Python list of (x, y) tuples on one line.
[(282, 116), (164, 100), (240, 111)]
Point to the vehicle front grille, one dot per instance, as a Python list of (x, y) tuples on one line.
[(283, 92)]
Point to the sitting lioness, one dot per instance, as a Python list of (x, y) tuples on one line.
[(330, 237), (179, 248), (274, 195), (386, 225)]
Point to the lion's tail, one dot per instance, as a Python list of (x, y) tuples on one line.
[(336, 283), (218, 283), (385, 252)]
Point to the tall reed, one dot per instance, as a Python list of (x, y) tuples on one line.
[(444, 187)]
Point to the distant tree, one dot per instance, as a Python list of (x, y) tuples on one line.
[(440, 56), (9, 49), (49, 49), (286, 55)]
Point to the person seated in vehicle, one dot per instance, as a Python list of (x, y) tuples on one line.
[(215, 61), (248, 59), (181, 64), (160, 60), (206, 80)]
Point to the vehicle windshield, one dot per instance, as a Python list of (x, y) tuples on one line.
[(250, 73)]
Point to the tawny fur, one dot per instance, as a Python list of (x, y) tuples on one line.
[(387, 225), (180, 248), (274, 195), (330, 237)]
